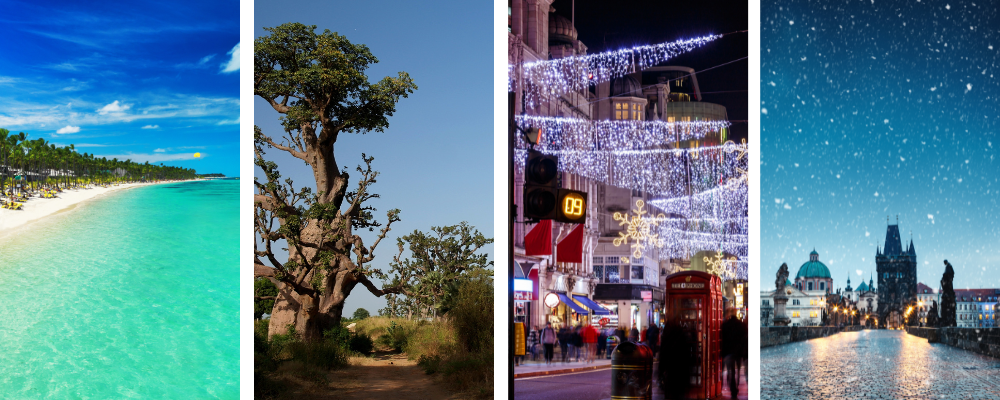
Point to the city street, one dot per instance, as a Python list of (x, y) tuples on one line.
[(876, 364), (593, 385)]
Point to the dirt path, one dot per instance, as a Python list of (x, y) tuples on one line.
[(383, 376)]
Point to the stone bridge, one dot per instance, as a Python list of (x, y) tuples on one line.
[(876, 364)]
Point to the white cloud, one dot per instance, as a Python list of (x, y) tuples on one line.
[(159, 151), (206, 59), (233, 64), (151, 127), (68, 129), (114, 108)]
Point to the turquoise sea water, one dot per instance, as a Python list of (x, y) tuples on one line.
[(130, 295)]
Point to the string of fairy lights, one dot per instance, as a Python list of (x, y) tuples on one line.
[(654, 171), (577, 73), (560, 133), (701, 191)]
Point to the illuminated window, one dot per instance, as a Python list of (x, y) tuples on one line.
[(795, 314), (618, 111), (812, 314)]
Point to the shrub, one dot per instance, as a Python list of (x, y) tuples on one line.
[(361, 344), (325, 354), (394, 337), (472, 315)]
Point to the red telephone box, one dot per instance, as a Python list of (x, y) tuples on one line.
[(695, 299)]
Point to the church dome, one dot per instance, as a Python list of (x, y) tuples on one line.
[(813, 268), (625, 86), (561, 30), (863, 287)]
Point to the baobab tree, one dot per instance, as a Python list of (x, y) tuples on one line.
[(317, 83)]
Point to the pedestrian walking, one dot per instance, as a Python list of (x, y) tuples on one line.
[(732, 336), (577, 338), (676, 360), (653, 338), (590, 338), (564, 343), (602, 342), (633, 335), (533, 342), (549, 339)]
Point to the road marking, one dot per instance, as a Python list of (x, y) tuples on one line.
[(568, 373)]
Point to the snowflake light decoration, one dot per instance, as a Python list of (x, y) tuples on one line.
[(741, 173), (640, 229), (723, 267)]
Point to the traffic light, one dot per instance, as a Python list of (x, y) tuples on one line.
[(543, 199), (541, 186), (572, 207)]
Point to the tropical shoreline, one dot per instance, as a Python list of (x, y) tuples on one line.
[(37, 209)]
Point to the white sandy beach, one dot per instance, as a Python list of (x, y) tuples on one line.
[(37, 208)]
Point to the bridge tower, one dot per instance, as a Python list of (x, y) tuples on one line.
[(897, 277)]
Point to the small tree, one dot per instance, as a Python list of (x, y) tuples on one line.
[(439, 263), (361, 314)]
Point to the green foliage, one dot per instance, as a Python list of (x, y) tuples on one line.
[(439, 262), (355, 342), (361, 314), (361, 344), (395, 337), (263, 287), (472, 315), (327, 72)]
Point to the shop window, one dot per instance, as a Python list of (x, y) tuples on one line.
[(599, 271)]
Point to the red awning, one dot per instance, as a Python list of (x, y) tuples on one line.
[(538, 241), (571, 248)]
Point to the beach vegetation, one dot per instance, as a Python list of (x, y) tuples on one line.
[(37, 168)]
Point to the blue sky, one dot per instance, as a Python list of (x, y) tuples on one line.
[(141, 80), (873, 109), (436, 157)]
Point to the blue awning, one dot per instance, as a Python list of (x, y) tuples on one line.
[(572, 304), (598, 310)]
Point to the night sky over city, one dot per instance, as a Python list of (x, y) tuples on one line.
[(605, 26), (871, 109)]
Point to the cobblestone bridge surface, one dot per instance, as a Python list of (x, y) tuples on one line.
[(876, 364)]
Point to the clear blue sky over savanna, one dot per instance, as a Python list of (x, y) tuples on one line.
[(141, 80), (436, 157), (873, 109)]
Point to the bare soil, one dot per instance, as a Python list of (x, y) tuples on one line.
[(385, 375)]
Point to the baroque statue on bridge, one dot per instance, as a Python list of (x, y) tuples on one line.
[(948, 306), (782, 277)]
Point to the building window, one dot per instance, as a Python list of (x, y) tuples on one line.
[(822, 286), (766, 302), (812, 314), (637, 271), (599, 272), (611, 274), (886, 275), (795, 314), (810, 285)]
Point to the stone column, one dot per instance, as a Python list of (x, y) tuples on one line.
[(780, 299)]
